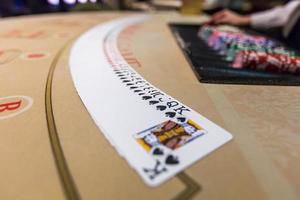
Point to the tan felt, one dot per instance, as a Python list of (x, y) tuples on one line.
[(261, 162)]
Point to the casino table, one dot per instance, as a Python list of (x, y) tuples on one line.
[(50, 147)]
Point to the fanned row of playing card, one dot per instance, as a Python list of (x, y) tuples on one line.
[(156, 134)]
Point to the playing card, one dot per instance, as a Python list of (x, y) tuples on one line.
[(155, 133)]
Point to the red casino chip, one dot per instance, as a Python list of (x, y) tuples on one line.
[(261, 61)]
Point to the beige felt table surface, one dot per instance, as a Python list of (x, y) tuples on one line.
[(261, 162)]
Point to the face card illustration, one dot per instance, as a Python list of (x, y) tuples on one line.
[(158, 135), (169, 134)]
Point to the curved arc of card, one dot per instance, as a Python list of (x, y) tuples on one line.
[(95, 62)]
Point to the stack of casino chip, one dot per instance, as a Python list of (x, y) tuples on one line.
[(220, 40), (262, 61), (251, 51), (235, 48)]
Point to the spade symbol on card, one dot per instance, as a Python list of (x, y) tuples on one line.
[(172, 160), (170, 114), (146, 97), (153, 102), (161, 107), (181, 119), (157, 151)]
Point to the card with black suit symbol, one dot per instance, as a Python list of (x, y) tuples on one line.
[(156, 134)]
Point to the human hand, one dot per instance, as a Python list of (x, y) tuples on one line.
[(229, 17)]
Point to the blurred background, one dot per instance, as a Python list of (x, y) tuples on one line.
[(26, 7)]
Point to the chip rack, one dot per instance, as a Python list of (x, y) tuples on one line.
[(210, 67)]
